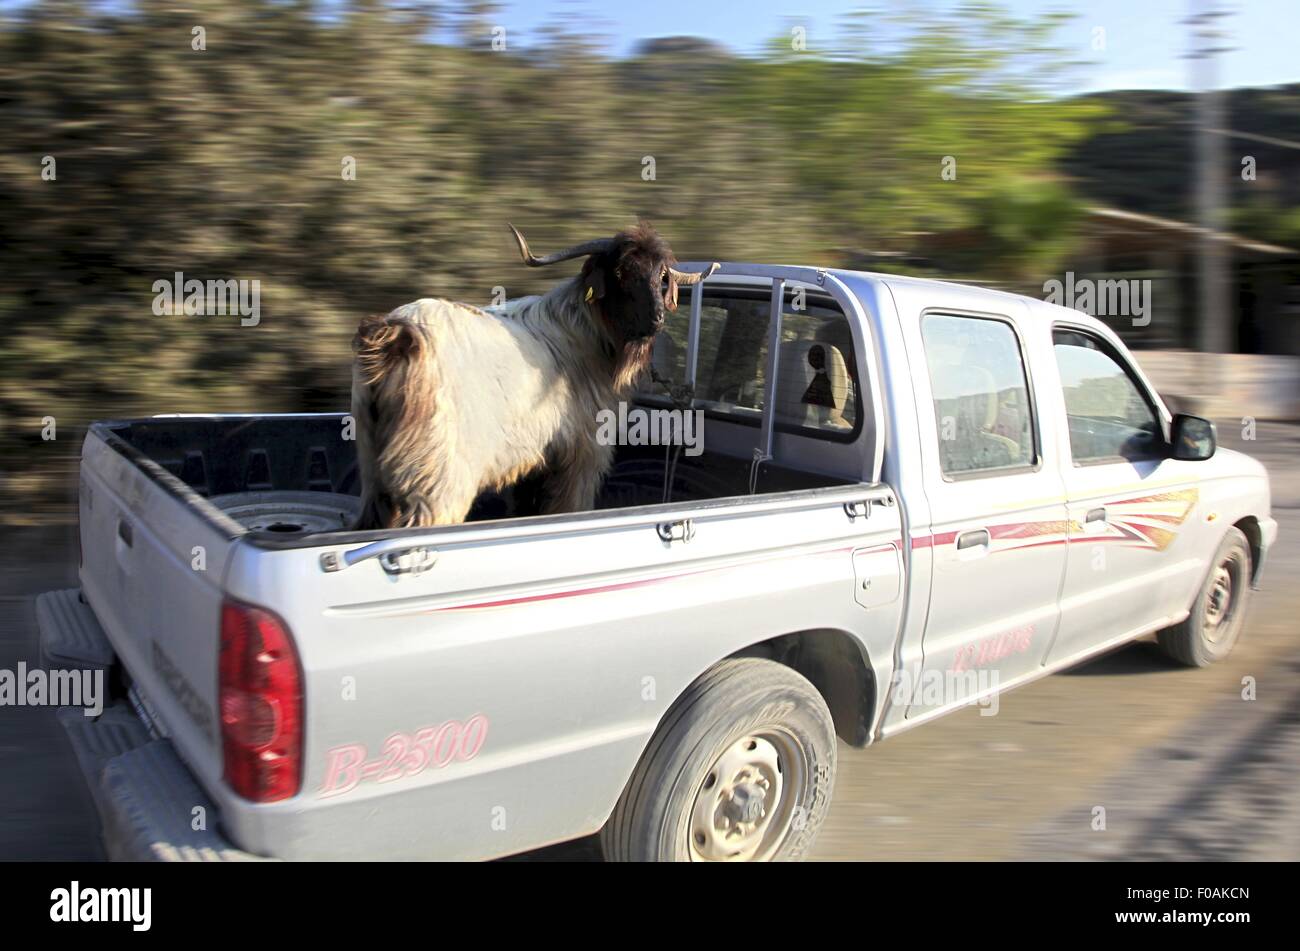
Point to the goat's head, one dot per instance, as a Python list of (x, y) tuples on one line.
[(629, 280)]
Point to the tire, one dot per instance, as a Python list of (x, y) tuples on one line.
[(748, 752), (1219, 612)]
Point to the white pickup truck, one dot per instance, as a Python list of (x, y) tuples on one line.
[(911, 495)]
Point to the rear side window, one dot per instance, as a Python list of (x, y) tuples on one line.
[(1109, 416), (981, 394)]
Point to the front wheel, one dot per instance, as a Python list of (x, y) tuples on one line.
[(740, 770), (1214, 625)]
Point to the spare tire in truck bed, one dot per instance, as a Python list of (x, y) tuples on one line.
[(290, 512)]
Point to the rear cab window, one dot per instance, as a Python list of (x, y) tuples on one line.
[(817, 392)]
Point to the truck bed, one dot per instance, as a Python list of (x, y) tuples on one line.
[(220, 457)]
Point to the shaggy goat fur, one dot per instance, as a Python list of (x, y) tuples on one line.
[(450, 400)]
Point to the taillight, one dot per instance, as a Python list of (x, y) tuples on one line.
[(260, 689)]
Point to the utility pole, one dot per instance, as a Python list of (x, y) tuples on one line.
[(1217, 309)]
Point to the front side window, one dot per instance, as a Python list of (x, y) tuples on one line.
[(1109, 416), (981, 394)]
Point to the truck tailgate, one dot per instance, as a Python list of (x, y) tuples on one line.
[(151, 570)]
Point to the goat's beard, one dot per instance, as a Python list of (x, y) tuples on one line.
[(630, 362), (630, 357)]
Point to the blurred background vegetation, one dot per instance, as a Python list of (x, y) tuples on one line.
[(225, 163)]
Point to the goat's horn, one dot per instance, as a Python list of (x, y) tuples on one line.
[(692, 277), (577, 251)]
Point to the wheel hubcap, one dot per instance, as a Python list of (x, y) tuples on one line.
[(1218, 604), (746, 804)]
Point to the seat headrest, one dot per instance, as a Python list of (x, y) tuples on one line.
[(812, 384)]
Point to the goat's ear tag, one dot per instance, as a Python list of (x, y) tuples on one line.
[(590, 293), (596, 288)]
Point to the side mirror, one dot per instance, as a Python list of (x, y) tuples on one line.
[(1193, 438)]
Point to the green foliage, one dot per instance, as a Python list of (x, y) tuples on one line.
[(225, 163), (1262, 216)]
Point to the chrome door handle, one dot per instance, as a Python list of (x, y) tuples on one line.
[(1094, 521), (976, 539)]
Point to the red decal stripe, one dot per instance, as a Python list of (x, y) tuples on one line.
[(620, 585)]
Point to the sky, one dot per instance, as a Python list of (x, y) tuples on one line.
[(1145, 40)]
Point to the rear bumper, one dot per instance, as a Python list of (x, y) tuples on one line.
[(150, 805)]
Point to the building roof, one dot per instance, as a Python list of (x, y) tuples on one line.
[(1135, 221)]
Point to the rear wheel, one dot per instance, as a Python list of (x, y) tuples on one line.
[(1212, 629), (740, 770)]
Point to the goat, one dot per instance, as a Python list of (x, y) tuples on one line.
[(452, 400)]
